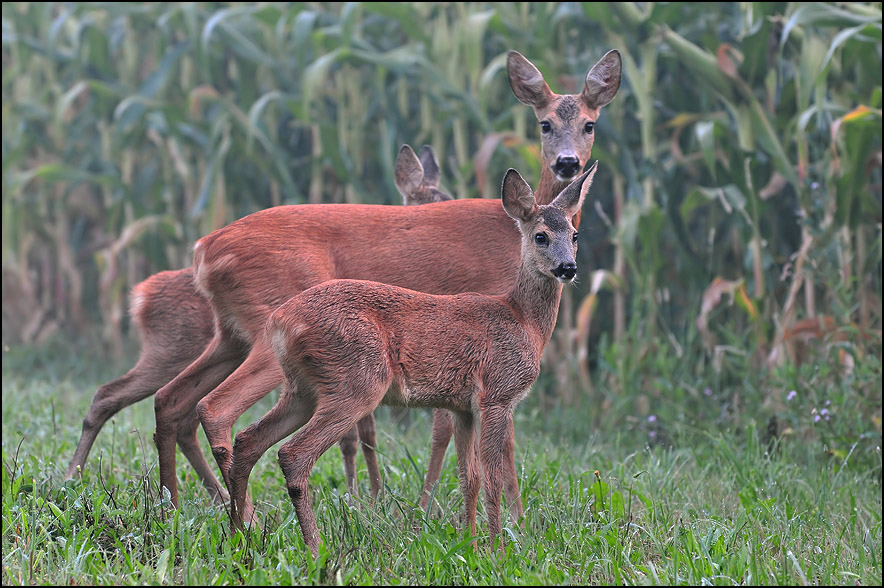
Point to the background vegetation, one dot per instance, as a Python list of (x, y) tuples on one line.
[(730, 285)]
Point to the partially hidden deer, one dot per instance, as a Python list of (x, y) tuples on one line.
[(347, 346), (175, 324), (250, 267), (417, 179)]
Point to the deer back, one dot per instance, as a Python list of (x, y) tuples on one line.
[(254, 264)]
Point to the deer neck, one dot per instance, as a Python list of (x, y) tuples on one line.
[(550, 187), (535, 297)]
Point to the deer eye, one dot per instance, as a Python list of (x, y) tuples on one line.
[(574, 238), (540, 239), (545, 127), (589, 126)]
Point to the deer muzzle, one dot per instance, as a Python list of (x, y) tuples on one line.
[(565, 271), (566, 167)]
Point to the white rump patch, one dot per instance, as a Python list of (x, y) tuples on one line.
[(136, 304)]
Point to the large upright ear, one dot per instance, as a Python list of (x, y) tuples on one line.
[(526, 81), (431, 166), (571, 198), (603, 80), (408, 174), (517, 196)]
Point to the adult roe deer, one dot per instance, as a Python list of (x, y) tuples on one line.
[(247, 269), (174, 322), (347, 346)]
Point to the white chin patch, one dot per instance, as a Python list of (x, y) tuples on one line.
[(565, 179)]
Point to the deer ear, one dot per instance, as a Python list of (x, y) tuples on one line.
[(409, 173), (439, 196), (603, 80), (571, 198), (526, 81), (431, 166), (517, 196)]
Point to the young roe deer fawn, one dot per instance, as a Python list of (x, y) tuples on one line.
[(174, 322), (249, 268), (347, 346)]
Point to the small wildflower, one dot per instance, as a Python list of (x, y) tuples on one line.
[(824, 411), (652, 434), (814, 185), (816, 418), (827, 403), (792, 395), (597, 475), (708, 391), (652, 418)]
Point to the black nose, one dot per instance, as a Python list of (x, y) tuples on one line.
[(567, 166), (566, 271)]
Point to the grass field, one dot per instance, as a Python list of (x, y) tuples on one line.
[(692, 489)]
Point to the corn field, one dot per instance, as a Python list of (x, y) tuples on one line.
[(737, 207)]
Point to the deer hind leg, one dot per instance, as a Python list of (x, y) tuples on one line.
[(364, 431), (368, 437), (256, 377), (511, 476), (178, 399), (149, 375), (293, 409), (348, 452), (297, 457), (141, 381), (468, 465), (443, 429), (190, 447)]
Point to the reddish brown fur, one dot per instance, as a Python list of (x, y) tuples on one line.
[(175, 324), (251, 266), (348, 345)]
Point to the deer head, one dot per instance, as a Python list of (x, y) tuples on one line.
[(418, 179), (567, 121), (549, 239)]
